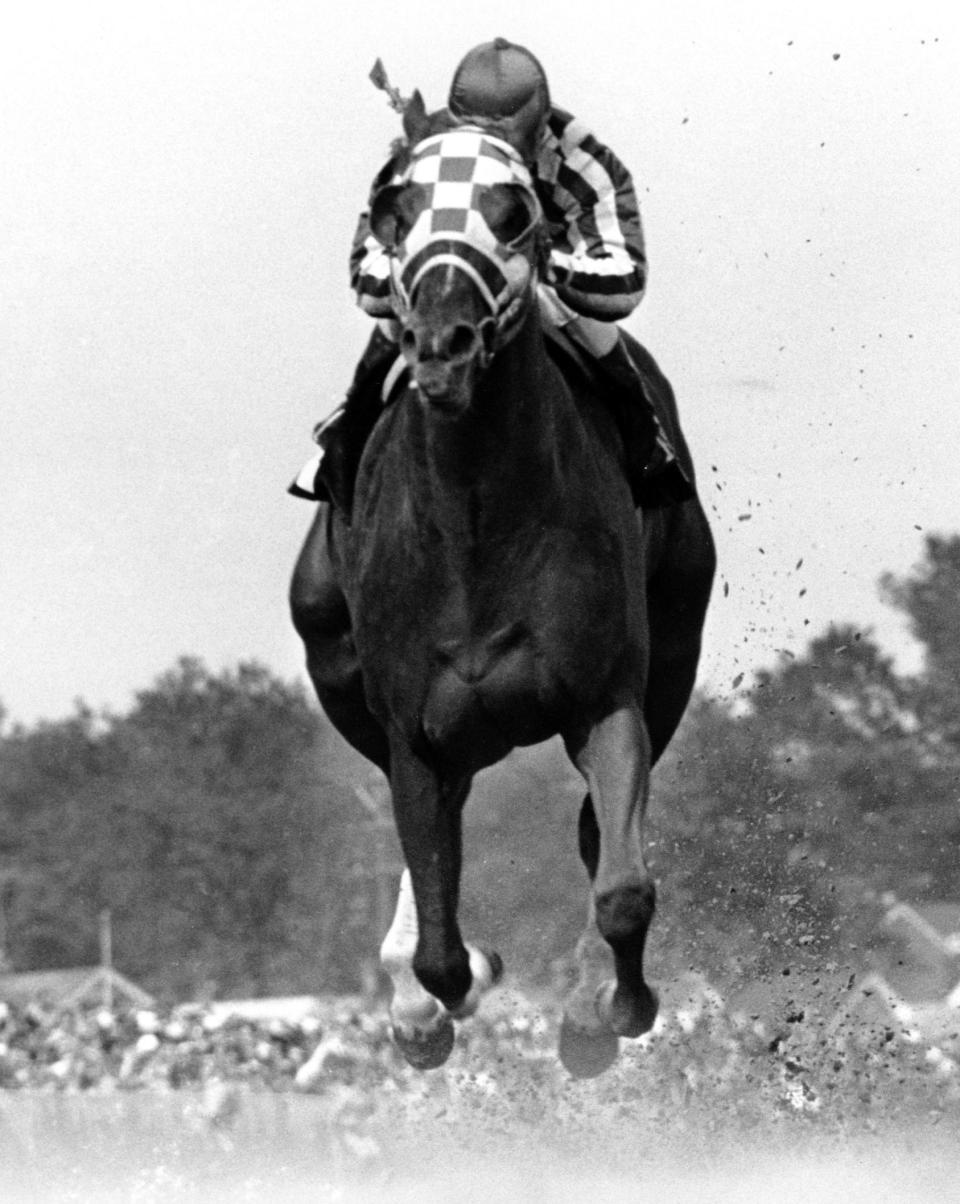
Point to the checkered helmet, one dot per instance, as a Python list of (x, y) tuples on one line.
[(503, 85)]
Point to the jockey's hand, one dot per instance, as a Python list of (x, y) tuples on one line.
[(557, 276)]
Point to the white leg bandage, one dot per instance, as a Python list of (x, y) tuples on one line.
[(412, 1005)]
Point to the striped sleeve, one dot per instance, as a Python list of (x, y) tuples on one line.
[(370, 271), (598, 258), (369, 261)]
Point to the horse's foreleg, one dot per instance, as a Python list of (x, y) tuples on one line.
[(421, 1025), (438, 976), (614, 758), (428, 818), (588, 1045)]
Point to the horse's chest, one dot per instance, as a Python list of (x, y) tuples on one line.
[(485, 696), (504, 642)]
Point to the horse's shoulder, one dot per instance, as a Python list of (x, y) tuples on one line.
[(584, 381), (569, 358)]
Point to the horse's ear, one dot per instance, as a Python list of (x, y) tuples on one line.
[(394, 211), (416, 123)]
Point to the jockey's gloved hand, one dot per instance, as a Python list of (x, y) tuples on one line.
[(556, 275)]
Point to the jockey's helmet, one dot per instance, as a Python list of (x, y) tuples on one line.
[(502, 85)]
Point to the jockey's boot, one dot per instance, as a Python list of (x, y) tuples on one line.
[(343, 436), (653, 472)]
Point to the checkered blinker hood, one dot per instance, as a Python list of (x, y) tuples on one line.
[(465, 199)]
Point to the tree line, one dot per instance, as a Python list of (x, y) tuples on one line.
[(241, 848)]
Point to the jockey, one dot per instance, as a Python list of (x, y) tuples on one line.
[(596, 265)]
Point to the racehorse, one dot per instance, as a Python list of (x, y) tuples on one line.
[(493, 586)]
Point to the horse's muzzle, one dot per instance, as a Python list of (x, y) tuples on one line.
[(442, 360), (434, 378)]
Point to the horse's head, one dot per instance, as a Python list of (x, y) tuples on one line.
[(463, 232)]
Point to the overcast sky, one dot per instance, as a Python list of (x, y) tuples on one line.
[(179, 187)]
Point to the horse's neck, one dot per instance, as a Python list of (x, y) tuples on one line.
[(499, 459)]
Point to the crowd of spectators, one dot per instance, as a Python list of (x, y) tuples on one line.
[(100, 1048), (342, 1042)]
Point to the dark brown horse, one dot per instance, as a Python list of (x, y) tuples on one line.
[(494, 587)]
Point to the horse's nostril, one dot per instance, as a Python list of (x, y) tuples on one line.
[(444, 344), (462, 342)]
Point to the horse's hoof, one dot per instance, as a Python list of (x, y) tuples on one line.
[(426, 1051), (628, 1017), (585, 1053), (646, 1013)]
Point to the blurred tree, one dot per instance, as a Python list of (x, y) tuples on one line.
[(45, 776), (930, 815), (783, 816), (729, 845), (214, 820)]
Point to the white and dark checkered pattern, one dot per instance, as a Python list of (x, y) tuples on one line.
[(454, 168)]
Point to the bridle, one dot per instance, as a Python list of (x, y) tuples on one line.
[(465, 199)]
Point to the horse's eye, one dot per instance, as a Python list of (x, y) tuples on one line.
[(508, 209), (394, 211)]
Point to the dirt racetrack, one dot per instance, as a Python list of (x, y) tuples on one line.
[(148, 1150), (713, 1107)]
